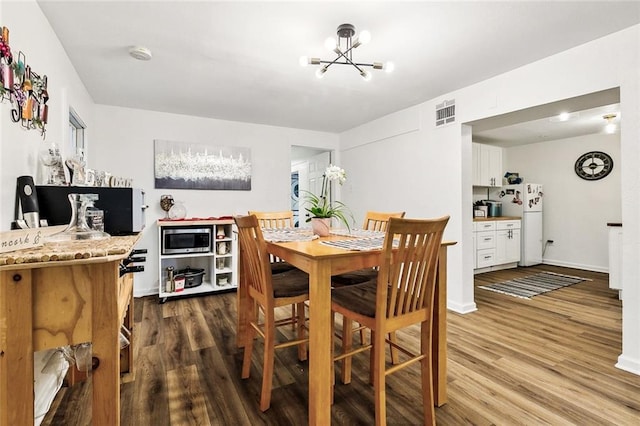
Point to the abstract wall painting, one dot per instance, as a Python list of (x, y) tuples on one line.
[(183, 165)]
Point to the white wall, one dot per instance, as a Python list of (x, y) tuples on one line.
[(576, 211), (31, 33), (426, 171), (123, 145), (406, 165)]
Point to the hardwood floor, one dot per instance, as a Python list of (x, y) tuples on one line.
[(548, 360)]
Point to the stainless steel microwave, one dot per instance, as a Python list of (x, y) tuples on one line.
[(187, 239)]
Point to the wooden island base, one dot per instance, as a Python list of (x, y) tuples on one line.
[(53, 303)]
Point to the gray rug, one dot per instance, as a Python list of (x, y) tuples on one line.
[(533, 285)]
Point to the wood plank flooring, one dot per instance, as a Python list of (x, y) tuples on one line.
[(549, 360)]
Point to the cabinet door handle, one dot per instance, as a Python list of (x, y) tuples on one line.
[(487, 257), (487, 239)]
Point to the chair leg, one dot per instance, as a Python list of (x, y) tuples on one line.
[(333, 364), (302, 347), (293, 317), (347, 341), (395, 358), (361, 335), (426, 372), (372, 361), (269, 354), (249, 337), (378, 368)]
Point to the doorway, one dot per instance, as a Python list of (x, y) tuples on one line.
[(543, 148), (307, 167)]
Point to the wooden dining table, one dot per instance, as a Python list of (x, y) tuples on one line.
[(321, 261)]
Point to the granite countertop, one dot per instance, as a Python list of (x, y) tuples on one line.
[(92, 250), (486, 219)]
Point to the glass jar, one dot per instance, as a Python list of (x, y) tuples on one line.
[(177, 211), (78, 229)]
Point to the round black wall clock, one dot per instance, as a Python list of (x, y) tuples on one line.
[(593, 165)]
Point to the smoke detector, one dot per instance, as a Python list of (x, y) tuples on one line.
[(140, 53)]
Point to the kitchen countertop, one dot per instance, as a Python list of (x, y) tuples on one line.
[(55, 254), (486, 219)]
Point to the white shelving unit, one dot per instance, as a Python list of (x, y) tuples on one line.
[(220, 268)]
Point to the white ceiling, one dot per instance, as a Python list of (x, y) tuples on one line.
[(239, 60), (542, 122)]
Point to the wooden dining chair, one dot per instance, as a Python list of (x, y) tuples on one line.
[(277, 220), (402, 295), (373, 221), (268, 291)]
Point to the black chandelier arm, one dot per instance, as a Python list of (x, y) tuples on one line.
[(355, 64), (347, 61)]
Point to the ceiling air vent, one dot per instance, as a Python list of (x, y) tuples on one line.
[(446, 112)]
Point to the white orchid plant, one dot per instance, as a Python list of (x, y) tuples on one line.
[(320, 206)]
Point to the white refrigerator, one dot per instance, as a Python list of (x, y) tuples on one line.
[(525, 200)]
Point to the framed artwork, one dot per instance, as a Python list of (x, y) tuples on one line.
[(182, 165)]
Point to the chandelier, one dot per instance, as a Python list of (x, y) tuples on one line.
[(343, 46)]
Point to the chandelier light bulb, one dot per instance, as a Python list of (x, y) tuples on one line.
[(304, 61), (330, 43), (564, 116), (389, 67), (364, 37), (320, 72)]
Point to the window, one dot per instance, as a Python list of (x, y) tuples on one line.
[(76, 135)]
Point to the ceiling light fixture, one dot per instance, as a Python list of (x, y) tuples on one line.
[(564, 116), (140, 53), (343, 47), (610, 127)]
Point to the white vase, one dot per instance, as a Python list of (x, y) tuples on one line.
[(321, 226)]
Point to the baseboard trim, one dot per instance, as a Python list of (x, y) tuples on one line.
[(628, 364), (462, 309), (145, 292), (575, 265), (495, 268)]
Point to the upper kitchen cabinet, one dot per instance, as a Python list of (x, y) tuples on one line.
[(487, 165)]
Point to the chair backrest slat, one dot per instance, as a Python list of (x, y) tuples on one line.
[(377, 221), (278, 220), (274, 220), (407, 273), (255, 258)]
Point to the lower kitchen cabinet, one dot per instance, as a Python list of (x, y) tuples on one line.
[(497, 244)]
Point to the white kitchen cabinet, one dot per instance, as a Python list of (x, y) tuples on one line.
[(507, 242), (219, 261), (486, 165), (496, 244)]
